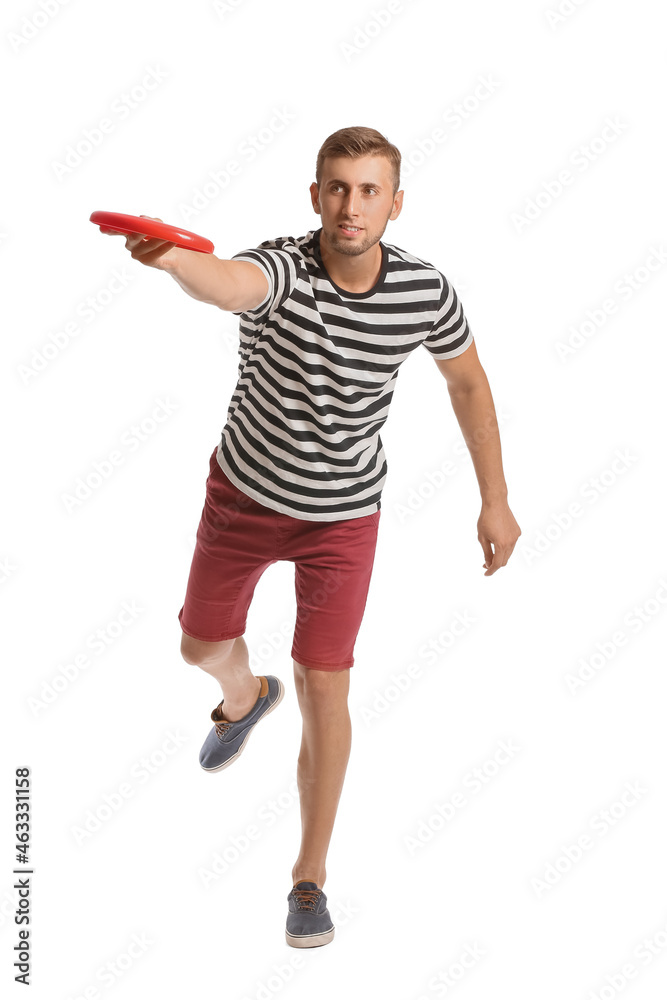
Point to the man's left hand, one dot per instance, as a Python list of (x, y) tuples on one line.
[(497, 526)]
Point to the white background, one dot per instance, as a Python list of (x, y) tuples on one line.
[(405, 917)]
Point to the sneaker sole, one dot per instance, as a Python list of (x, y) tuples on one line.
[(221, 767), (309, 940)]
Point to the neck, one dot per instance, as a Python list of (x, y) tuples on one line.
[(354, 273)]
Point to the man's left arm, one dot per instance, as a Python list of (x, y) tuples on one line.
[(472, 403)]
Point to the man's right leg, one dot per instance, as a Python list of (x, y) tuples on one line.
[(228, 662)]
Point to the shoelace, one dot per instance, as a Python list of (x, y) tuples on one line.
[(306, 899), (221, 728)]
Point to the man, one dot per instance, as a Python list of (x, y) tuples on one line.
[(326, 320)]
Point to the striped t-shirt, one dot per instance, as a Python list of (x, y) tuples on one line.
[(317, 371)]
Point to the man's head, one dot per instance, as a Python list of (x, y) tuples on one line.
[(357, 179)]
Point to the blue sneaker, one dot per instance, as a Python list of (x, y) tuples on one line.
[(309, 923), (225, 742)]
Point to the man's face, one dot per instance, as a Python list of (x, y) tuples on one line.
[(357, 193)]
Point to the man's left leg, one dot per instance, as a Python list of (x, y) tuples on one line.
[(325, 750), (333, 563)]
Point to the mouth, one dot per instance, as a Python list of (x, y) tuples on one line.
[(351, 231)]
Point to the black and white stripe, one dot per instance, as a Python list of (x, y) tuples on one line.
[(317, 371)]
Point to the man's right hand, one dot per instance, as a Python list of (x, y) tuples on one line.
[(148, 250), (232, 285)]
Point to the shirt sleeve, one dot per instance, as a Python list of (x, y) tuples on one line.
[(450, 335), (280, 270)]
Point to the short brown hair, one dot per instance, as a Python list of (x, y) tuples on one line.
[(359, 141)]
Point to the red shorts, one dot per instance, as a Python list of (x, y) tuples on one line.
[(238, 538)]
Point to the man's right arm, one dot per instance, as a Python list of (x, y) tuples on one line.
[(233, 285)]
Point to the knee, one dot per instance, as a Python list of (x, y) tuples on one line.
[(196, 651), (188, 649), (321, 683)]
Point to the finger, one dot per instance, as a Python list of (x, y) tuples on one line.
[(141, 245), (149, 256), (500, 557), (510, 550), (491, 565), (136, 239), (487, 550), (505, 551)]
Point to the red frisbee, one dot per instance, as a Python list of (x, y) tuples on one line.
[(130, 224)]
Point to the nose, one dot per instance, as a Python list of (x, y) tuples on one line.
[(350, 204)]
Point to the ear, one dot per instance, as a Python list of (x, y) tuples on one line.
[(397, 206), (315, 197)]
